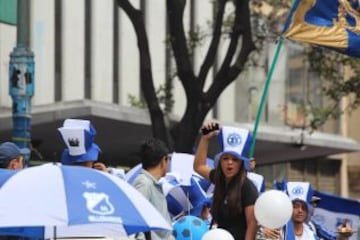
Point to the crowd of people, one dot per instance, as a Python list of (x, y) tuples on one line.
[(237, 186)]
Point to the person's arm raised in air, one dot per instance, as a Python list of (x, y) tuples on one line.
[(200, 165)]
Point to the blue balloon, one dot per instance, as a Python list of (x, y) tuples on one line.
[(189, 228)]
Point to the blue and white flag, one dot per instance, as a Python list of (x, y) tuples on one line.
[(180, 198), (334, 24), (182, 164), (258, 180), (332, 210), (280, 185), (131, 175)]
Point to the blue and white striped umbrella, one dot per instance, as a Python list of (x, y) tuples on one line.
[(53, 195)]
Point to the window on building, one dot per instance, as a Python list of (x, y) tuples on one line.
[(303, 89), (323, 174)]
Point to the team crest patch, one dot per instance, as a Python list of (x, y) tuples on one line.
[(234, 139), (98, 203), (298, 190)]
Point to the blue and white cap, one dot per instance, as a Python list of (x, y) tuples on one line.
[(78, 135), (301, 191), (234, 141)]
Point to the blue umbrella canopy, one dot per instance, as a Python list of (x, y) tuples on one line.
[(56, 195)]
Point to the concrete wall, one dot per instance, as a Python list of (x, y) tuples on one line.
[(76, 83), (7, 43)]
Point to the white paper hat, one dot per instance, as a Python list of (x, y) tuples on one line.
[(78, 135), (235, 141), (302, 191)]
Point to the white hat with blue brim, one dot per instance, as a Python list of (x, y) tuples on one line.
[(234, 141)]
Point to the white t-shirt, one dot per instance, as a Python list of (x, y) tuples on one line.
[(307, 234)]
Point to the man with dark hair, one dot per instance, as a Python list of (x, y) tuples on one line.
[(11, 156), (154, 159)]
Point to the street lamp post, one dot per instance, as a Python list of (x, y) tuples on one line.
[(21, 85)]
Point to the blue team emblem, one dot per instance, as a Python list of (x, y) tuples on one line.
[(298, 190), (234, 139)]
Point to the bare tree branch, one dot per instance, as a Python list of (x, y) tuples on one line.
[(198, 105), (247, 42), (146, 78), (213, 47), (185, 69), (227, 73)]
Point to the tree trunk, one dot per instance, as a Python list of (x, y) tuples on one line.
[(199, 102)]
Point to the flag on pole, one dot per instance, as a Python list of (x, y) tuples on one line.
[(334, 24), (332, 210)]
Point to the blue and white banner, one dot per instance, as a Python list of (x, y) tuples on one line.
[(332, 210), (330, 23)]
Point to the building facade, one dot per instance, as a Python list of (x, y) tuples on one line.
[(87, 65)]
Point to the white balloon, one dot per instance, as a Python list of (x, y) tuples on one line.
[(217, 234), (273, 209)]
